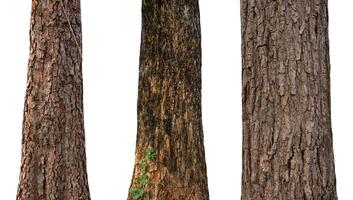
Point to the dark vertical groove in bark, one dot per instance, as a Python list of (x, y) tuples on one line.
[(287, 138), (53, 162), (169, 101)]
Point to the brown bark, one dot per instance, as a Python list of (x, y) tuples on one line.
[(287, 138), (53, 147), (169, 104)]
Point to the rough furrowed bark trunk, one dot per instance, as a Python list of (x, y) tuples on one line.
[(53, 162), (287, 138), (170, 160)]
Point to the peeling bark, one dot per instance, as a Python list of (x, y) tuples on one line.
[(169, 103), (287, 137), (53, 162)]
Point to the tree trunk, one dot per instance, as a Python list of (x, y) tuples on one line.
[(53, 145), (287, 138), (170, 160)]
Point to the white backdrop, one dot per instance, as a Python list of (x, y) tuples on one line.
[(111, 39)]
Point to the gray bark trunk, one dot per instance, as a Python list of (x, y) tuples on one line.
[(287, 138)]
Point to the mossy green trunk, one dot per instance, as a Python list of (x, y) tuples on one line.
[(169, 104)]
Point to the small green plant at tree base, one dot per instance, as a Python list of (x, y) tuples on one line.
[(143, 180), (143, 166), (138, 193), (150, 153)]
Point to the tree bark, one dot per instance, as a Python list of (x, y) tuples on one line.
[(287, 137), (169, 104), (53, 145)]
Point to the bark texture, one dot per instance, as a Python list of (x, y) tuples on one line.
[(53, 147), (287, 138), (169, 103)]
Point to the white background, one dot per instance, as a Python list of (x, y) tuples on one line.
[(111, 39)]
